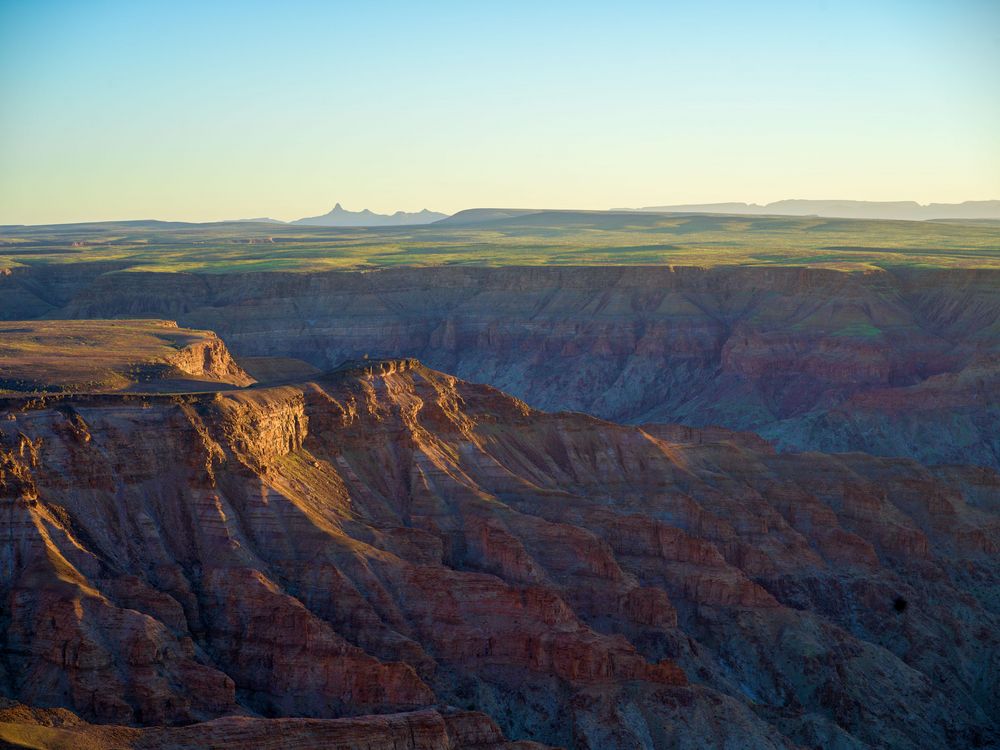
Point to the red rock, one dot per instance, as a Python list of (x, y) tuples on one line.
[(388, 538), (893, 362)]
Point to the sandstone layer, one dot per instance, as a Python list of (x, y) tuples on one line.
[(899, 362), (387, 539)]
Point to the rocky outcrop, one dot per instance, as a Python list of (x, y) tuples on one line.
[(812, 358), (94, 356), (209, 359), (386, 540)]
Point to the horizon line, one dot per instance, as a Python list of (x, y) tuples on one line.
[(649, 208)]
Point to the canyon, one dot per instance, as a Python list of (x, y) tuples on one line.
[(893, 362), (526, 473), (389, 554), (513, 481)]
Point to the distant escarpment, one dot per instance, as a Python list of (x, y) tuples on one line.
[(901, 362), (387, 552), (897, 210)]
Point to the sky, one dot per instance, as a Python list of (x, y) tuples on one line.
[(204, 111)]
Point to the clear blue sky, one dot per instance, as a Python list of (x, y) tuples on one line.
[(211, 110)]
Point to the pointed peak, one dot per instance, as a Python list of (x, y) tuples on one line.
[(339, 216)]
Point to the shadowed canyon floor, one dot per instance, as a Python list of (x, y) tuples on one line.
[(58, 729), (387, 539)]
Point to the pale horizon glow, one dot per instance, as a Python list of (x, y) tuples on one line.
[(225, 110)]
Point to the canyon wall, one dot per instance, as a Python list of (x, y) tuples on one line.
[(387, 539), (903, 362)]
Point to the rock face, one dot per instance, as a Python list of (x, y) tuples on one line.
[(898, 362), (387, 539)]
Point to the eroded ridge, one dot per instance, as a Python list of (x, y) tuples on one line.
[(389, 538)]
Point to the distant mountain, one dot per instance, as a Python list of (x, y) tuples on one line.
[(482, 215), (341, 217), (846, 209)]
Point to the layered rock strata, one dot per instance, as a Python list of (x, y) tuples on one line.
[(891, 362), (386, 539)]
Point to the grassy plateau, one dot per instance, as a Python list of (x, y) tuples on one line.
[(487, 237)]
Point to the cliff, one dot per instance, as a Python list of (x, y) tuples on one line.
[(387, 539), (811, 358)]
